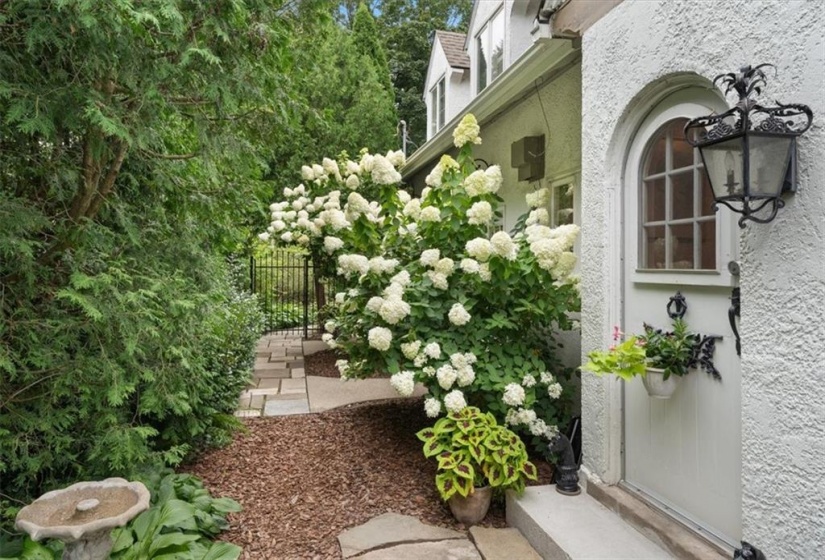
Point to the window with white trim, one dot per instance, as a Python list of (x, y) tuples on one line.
[(561, 204), (490, 51), (676, 217), (437, 99)]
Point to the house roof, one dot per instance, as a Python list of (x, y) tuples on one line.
[(453, 45)]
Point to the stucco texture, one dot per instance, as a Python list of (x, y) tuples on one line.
[(641, 47)]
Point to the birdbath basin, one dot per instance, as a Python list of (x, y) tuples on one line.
[(83, 515)]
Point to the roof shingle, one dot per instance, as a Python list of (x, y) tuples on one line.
[(453, 45)]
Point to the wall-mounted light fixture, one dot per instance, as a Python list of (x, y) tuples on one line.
[(749, 151)]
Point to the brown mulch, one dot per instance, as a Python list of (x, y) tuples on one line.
[(322, 364), (304, 479)]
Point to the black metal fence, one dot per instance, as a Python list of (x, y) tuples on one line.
[(290, 296)]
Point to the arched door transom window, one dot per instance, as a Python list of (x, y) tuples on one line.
[(676, 216)]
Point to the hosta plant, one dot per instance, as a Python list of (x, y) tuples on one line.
[(472, 451)]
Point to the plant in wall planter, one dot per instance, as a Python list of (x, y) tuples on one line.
[(475, 457), (660, 358)]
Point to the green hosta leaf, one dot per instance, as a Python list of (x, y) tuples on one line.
[(171, 539), (226, 505), (123, 539), (222, 551), (145, 522), (176, 512)]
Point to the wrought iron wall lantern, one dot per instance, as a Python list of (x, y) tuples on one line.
[(749, 151)]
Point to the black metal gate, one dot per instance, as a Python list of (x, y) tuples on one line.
[(289, 294)]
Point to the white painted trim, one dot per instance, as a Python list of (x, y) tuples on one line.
[(541, 60)]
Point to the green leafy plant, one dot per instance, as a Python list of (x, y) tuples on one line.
[(472, 450), (673, 351)]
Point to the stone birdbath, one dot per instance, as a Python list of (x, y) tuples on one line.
[(83, 515)]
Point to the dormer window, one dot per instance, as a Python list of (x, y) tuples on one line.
[(490, 51), (437, 107)]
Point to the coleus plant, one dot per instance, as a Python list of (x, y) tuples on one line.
[(472, 450)]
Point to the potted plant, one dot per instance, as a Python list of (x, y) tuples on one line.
[(660, 358), (475, 456)]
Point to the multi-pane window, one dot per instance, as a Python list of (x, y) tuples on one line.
[(490, 51), (561, 205), (437, 99), (677, 220)]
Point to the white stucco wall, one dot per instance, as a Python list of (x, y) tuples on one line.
[(637, 44)]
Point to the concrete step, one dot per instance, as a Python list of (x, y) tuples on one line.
[(576, 527)]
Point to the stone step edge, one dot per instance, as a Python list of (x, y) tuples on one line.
[(665, 531)]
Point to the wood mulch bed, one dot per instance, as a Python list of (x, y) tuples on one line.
[(322, 364), (304, 479)]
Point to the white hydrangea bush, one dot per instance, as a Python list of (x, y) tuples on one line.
[(430, 294)]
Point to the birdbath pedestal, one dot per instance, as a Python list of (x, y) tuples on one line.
[(83, 515)]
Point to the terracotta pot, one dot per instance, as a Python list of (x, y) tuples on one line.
[(473, 508), (657, 387)]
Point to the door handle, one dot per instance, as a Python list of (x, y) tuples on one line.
[(733, 313)]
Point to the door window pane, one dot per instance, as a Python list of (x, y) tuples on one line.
[(482, 54), (677, 220), (496, 45)]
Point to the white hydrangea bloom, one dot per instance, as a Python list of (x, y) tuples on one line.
[(357, 204), (470, 266), (504, 246), (412, 209), (547, 378), (494, 179), (425, 193), (278, 225), (564, 266), (343, 367), (263, 236), (458, 315), (510, 418), (329, 340), (446, 376), (433, 179), (432, 350), (430, 257), (445, 266), (466, 376), (410, 349), (353, 182), (475, 184), (528, 381), (383, 171), (454, 401), (380, 338), (537, 427), (287, 236), (330, 166), (402, 279), (481, 213), (335, 218), (554, 390), (403, 382), (380, 265), (525, 416), (513, 394), (303, 240), (539, 198), (420, 360), (429, 371), (366, 163), (374, 304), (551, 432), (466, 131), (479, 248), (393, 290), (288, 192), (432, 407), (439, 280), (306, 173), (484, 272), (301, 190), (297, 204), (403, 196), (319, 172), (393, 310), (429, 214), (352, 168), (397, 158), (349, 265), (332, 244), (538, 216), (340, 297), (330, 325)]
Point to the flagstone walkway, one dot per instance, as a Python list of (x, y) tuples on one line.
[(278, 385)]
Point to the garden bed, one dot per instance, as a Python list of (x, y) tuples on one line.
[(304, 479), (322, 364)]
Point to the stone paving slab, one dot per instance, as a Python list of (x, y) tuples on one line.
[(286, 407), (502, 544), (454, 549), (292, 386), (273, 373), (326, 393), (388, 529)]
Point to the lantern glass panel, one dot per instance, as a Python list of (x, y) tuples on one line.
[(769, 159), (723, 162)]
